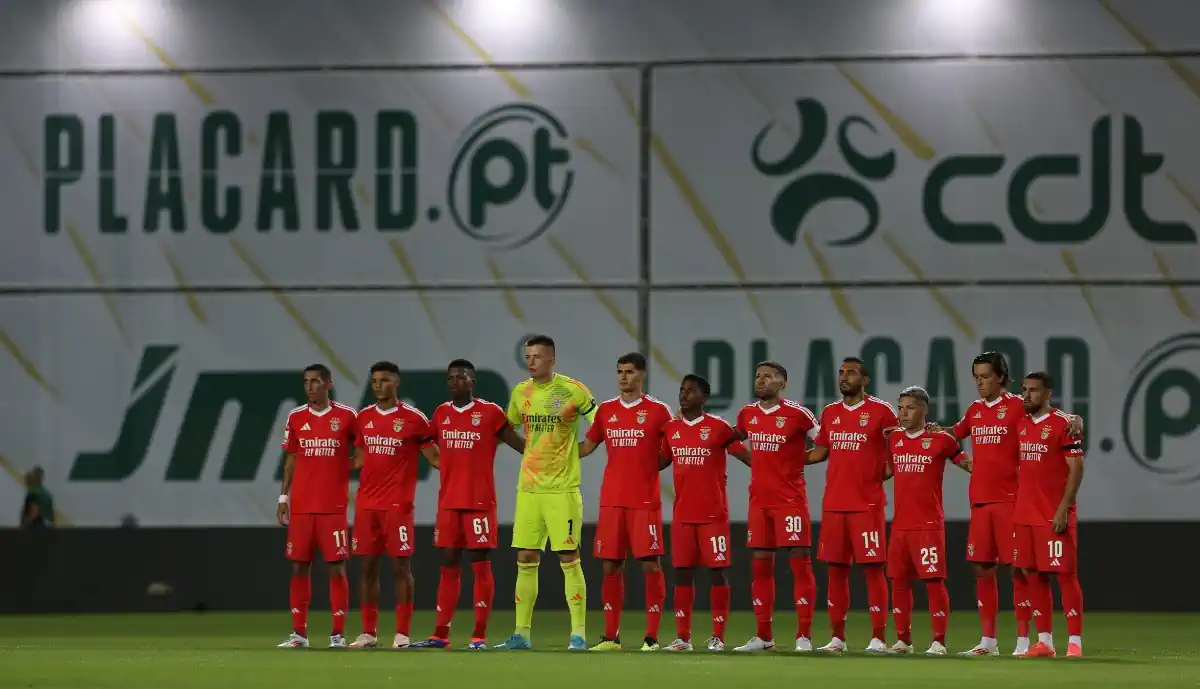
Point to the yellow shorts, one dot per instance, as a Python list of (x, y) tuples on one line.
[(556, 518)]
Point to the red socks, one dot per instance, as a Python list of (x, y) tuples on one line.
[(656, 600), (299, 594), (804, 589), (339, 600), (485, 589), (1072, 602), (1022, 602), (719, 602), (877, 599), (685, 598), (404, 613), (762, 592), (987, 595), (838, 595), (939, 607), (902, 605), (449, 589), (612, 591), (370, 619), (1043, 602)]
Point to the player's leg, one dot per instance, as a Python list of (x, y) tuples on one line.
[(1072, 593), (300, 549), (645, 532), (761, 539), (798, 536), (333, 537), (1029, 556), (1002, 533), (901, 571), (529, 539), (685, 555), (835, 549), (713, 545), (564, 524), (611, 548), (484, 588), (368, 545), (869, 535), (931, 568), (983, 554), (399, 545), (449, 538)]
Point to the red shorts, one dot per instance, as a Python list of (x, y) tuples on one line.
[(623, 529), (1039, 549), (469, 529), (917, 555), (383, 531), (768, 528), (307, 532), (853, 537), (700, 545), (990, 538)]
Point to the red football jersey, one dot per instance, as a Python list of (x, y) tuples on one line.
[(1046, 442), (697, 451), (778, 452), (393, 439), (467, 438), (992, 427), (321, 441), (918, 464), (632, 434), (857, 452)]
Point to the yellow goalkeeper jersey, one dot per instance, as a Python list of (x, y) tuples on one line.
[(549, 414)]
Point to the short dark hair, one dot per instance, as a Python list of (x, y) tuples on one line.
[(862, 365), (321, 370), (635, 358), (998, 363), (543, 340), (385, 367), (461, 363), (1041, 376), (917, 393), (699, 381), (775, 365)]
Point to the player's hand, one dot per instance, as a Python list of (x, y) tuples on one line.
[(1060, 521), (1075, 426), (967, 464), (889, 429), (281, 513), (933, 428)]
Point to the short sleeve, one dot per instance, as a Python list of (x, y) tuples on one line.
[(291, 444), (664, 448), (596, 432), (584, 402), (739, 424), (359, 440), (951, 449), (499, 419), (423, 431), (822, 437), (736, 447), (890, 420), (813, 426), (962, 429), (728, 435), (514, 411), (1072, 445)]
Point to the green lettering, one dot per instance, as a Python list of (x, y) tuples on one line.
[(111, 222), (164, 170), (941, 382), (892, 370), (217, 125), (60, 134), (337, 159), (933, 201), (1140, 164), (1070, 231), (704, 353), (395, 205), (1014, 352), (820, 376), (277, 191), (1058, 351), (1160, 423), (137, 429), (258, 398)]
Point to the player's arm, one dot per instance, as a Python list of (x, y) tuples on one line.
[(432, 454), (1075, 424), (289, 470), (509, 437), (820, 449), (963, 461), (738, 451), (595, 433), (588, 446), (1074, 457)]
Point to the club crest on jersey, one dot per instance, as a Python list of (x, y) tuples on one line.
[(970, 549), (926, 443), (864, 419), (779, 422), (1045, 432), (398, 425), (704, 431), (1001, 412), (334, 425), (641, 416), (476, 418)]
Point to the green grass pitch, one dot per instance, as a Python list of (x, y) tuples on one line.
[(226, 650)]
